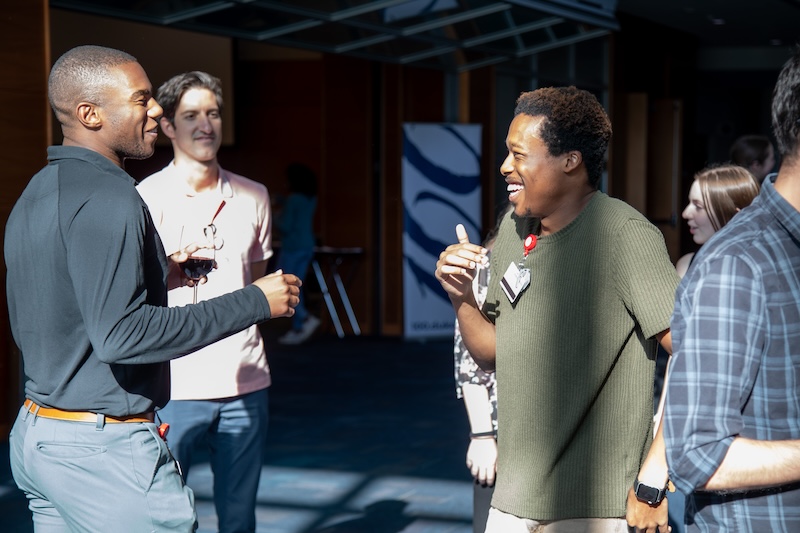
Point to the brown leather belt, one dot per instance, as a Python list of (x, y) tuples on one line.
[(83, 416)]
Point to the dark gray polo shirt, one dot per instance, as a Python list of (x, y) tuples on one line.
[(87, 292)]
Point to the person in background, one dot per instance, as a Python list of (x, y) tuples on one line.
[(716, 195), (581, 291), (755, 153), (87, 294), (731, 424), (296, 226), (219, 393), (478, 389)]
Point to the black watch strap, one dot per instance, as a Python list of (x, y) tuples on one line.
[(648, 494)]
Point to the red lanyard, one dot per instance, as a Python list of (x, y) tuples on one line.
[(529, 244), (221, 205)]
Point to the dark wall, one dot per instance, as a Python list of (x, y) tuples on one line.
[(730, 104), (659, 62), (23, 87), (718, 105)]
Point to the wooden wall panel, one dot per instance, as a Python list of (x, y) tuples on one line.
[(628, 164), (279, 121), (482, 110), (391, 206), (423, 95), (24, 136), (646, 162), (664, 204), (348, 195)]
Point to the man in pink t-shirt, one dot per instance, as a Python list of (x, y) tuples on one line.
[(219, 393)]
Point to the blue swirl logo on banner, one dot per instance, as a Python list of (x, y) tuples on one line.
[(441, 188)]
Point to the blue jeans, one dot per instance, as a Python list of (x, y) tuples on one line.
[(296, 262), (234, 430), (78, 477), (677, 507)]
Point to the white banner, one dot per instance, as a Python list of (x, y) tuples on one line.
[(441, 188)]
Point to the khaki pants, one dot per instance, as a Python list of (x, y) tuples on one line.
[(500, 522)]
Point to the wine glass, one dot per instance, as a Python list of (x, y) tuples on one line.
[(201, 260)]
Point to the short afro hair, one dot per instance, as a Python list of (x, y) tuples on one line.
[(575, 120)]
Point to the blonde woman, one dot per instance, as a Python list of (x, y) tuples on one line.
[(717, 194)]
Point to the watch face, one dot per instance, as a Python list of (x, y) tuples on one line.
[(648, 494)]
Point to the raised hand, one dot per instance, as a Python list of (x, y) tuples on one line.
[(455, 269), (282, 292)]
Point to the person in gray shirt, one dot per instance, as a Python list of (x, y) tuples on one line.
[(87, 292)]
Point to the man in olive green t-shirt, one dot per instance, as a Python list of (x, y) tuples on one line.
[(582, 290)]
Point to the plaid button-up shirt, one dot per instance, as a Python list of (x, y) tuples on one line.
[(736, 367)]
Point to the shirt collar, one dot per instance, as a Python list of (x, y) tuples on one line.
[(782, 210), (58, 152), (224, 189)]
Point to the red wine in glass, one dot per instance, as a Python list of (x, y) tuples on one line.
[(195, 268), (201, 260)]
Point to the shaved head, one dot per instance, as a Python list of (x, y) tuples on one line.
[(82, 75)]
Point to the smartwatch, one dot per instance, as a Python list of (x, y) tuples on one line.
[(648, 494)]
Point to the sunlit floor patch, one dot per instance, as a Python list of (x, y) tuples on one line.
[(294, 500)]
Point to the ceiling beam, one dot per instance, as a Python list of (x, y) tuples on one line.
[(579, 12), (166, 20), (363, 43), (512, 31), (455, 19), (564, 41), (334, 16), (294, 27)]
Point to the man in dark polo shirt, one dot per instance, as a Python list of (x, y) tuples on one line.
[(87, 303)]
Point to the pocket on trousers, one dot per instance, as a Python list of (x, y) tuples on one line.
[(148, 454), (61, 450)]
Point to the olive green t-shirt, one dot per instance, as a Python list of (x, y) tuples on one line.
[(576, 360)]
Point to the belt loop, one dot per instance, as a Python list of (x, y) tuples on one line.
[(101, 421), (35, 413)]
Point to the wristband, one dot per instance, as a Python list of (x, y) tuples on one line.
[(482, 435)]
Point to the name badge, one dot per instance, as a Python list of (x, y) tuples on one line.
[(514, 281)]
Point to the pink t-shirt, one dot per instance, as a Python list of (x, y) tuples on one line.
[(235, 365)]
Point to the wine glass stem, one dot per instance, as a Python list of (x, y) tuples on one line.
[(194, 299)]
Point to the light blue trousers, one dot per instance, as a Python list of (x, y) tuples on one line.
[(81, 478)]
